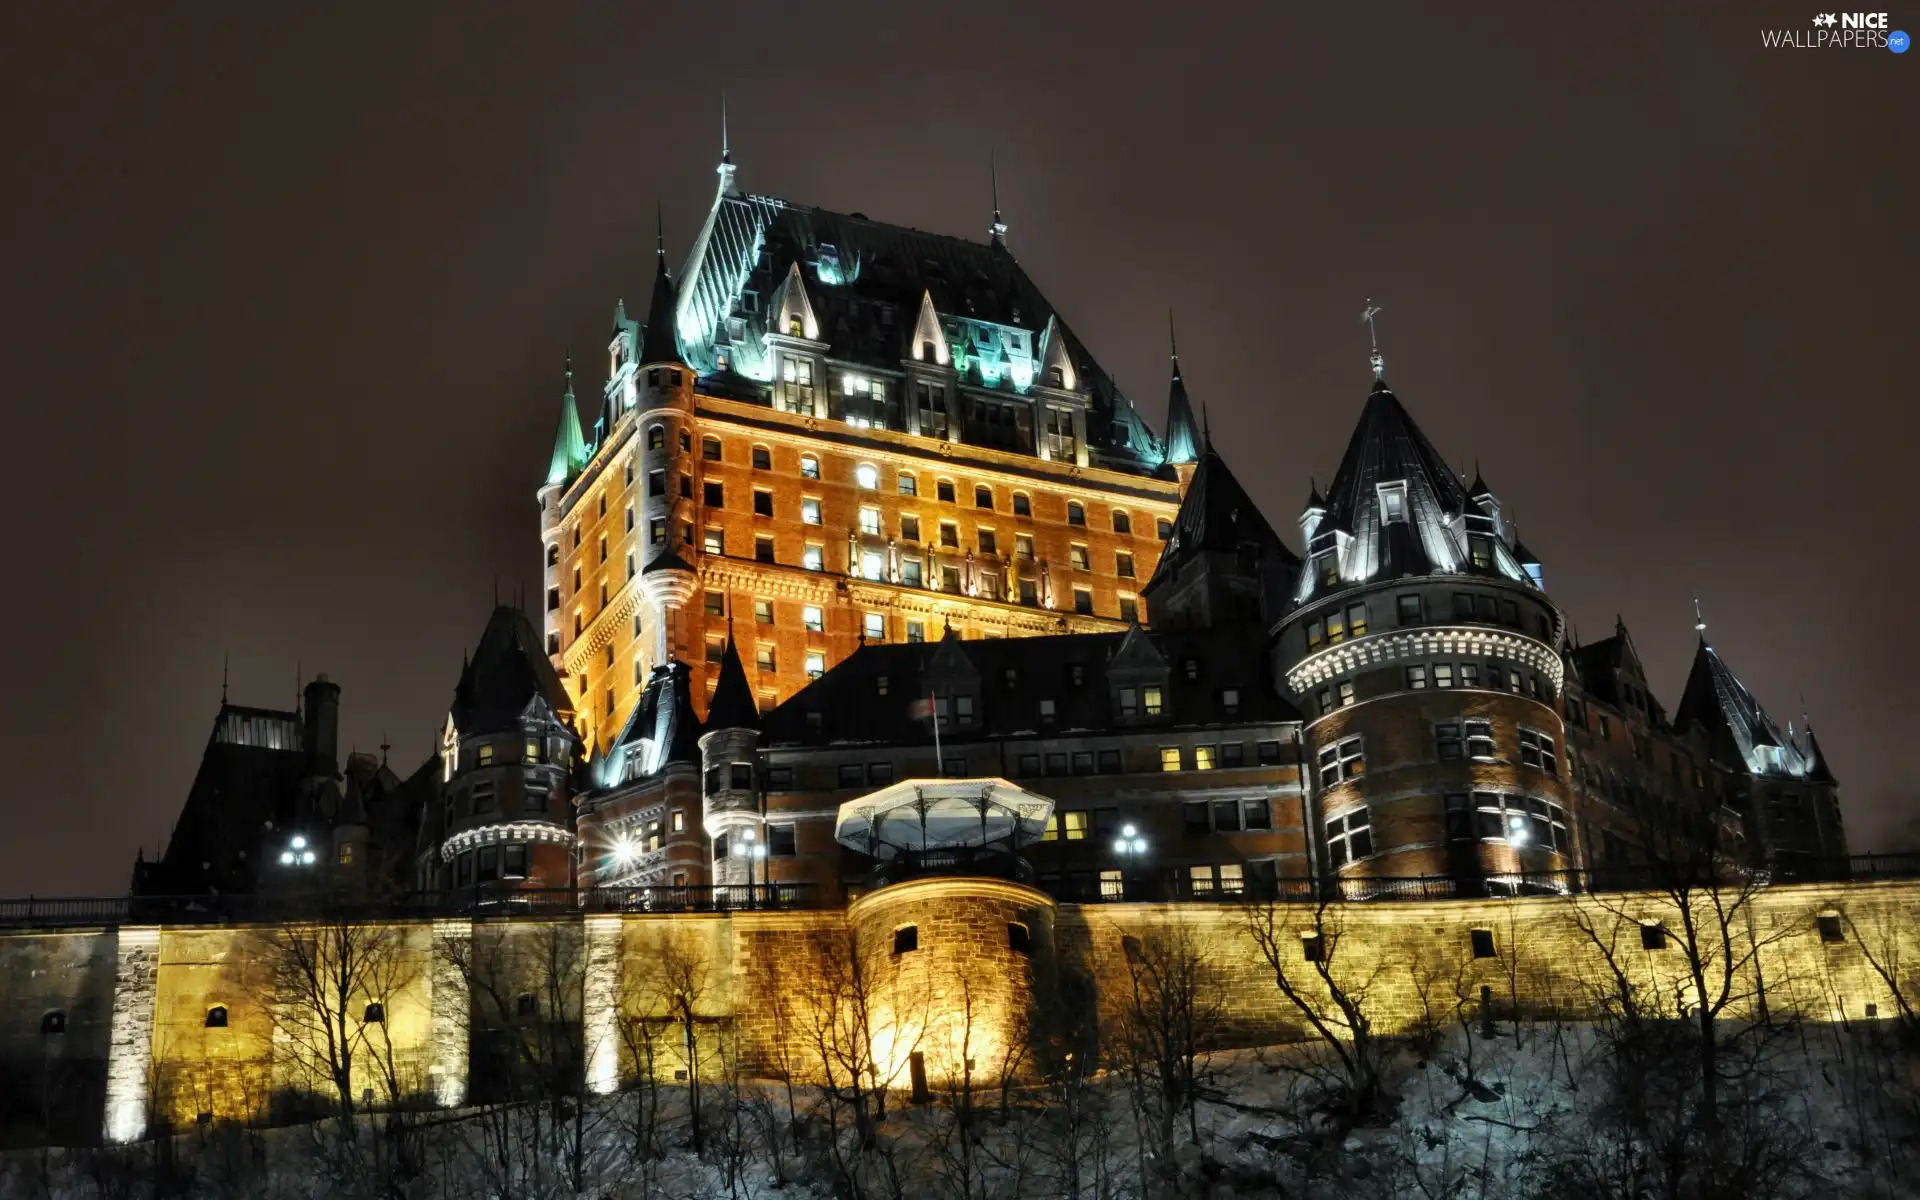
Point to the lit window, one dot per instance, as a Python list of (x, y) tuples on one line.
[(876, 627), (1203, 758), (1336, 628), (1417, 676), (870, 520), (1022, 505), (810, 511), (1074, 825), (1342, 760), (1169, 758), (814, 559), (1201, 878), (812, 619), (1232, 881), (715, 541), (1356, 620), (763, 657), (916, 630), (1112, 884), (867, 476), (1077, 555), (1443, 675), (873, 565), (1536, 750), (816, 664), (809, 467), (1349, 837), (1150, 701)]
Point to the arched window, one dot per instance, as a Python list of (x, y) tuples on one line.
[(867, 476), (53, 1021), (657, 437), (1022, 505), (710, 449), (1055, 377), (809, 467), (1076, 513), (553, 555), (795, 327), (1122, 523), (217, 1017)]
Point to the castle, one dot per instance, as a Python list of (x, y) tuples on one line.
[(870, 600)]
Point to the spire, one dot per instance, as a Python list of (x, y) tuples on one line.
[(732, 706), (1378, 359), (1699, 620), (997, 232), (1183, 440), (1479, 487), (726, 168), (569, 448), (226, 659), (660, 344), (1314, 499)]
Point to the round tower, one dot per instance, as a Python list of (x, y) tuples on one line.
[(730, 795), (1423, 653), (663, 415), (950, 931)]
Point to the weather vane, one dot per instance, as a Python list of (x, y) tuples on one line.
[(1373, 335)]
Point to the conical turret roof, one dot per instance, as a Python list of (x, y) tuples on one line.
[(508, 671), (732, 706), (661, 344), (1183, 436), (569, 448)]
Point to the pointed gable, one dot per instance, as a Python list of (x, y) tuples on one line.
[(792, 310), (927, 335), (732, 706), (1183, 436), (1717, 706), (1056, 365), (509, 670), (661, 732), (1217, 515), (1137, 658)]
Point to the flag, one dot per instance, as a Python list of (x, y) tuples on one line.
[(920, 709)]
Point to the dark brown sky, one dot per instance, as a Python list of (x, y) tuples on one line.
[(285, 291)]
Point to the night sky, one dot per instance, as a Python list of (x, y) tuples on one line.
[(286, 291)]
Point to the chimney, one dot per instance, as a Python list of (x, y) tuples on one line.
[(322, 733)]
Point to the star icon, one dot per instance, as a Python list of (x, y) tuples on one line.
[(1826, 19)]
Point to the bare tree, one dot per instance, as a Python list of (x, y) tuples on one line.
[(1301, 949)]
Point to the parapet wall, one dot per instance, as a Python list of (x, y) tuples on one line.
[(133, 1046)]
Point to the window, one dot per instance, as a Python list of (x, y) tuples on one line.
[(1076, 513), (762, 549), (816, 664), (1123, 564), (1073, 826), (867, 476), (1336, 628), (1479, 552), (909, 529), (1077, 555), (782, 841), (1232, 878), (1470, 675), (217, 1017), (810, 511), (1829, 926), (764, 657), (911, 573), (1653, 937), (983, 496), (553, 599), (988, 544), (763, 612), (875, 627), (1022, 505), (1269, 753), (852, 775), (1349, 837), (1226, 816), (1023, 546), (1201, 879), (762, 502), (1019, 938), (909, 486), (1463, 739), (719, 847), (762, 459), (374, 1014), (1417, 676), (813, 559), (1049, 712), (1083, 601), (53, 1021), (1443, 675), (1203, 758), (906, 939), (1342, 760), (1356, 620), (949, 534), (1109, 761), (870, 520), (713, 494), (710, 449), (1170, 758), (715, 541), (1393, 503), (1536, 750), (1163, 529), (1122, 523), (916, 630), (657, 530), (657, 437), (809, 467), (944, 491), (1482, 940), (812, 619)]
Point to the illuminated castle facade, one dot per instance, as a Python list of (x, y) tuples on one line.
[(860, 509)]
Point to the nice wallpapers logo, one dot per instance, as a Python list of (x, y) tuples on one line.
[(1840, 31)]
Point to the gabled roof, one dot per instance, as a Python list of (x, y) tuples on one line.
[(1738, 731), (1818, 771), (852, 708), (865, 281), (509, 670), (662, 730), (732, 706), (569, 448), (1217, 515)]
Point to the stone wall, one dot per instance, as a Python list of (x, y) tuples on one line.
[(136, 1000)]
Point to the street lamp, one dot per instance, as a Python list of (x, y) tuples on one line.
[(1129, 843), (297, 853)]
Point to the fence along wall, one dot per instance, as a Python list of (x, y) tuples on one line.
[(134, 1045)]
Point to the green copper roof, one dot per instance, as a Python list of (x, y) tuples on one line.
[(569, 448)]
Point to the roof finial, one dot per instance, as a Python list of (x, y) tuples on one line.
[(1173, 341), (726, 152), (1206, 426), (659, 230), (226, 658), (1378, 360), (1699, 620), (386, 744), (998, 230), (569, 370)]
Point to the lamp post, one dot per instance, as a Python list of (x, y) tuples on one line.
[(1130, 847), (298, 853)]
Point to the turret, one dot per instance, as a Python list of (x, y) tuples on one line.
[(728, 749), (1183, 436)]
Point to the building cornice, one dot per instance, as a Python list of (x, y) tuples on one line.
[(511, 832), (1420, 642)]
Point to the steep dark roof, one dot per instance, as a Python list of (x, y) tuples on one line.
[(569, 447), (1738, 731), (508, 670), (662, 730), (853, 708), (865, 280), (1595, 663), (661, 345), (732, 706), (1819, 772), (1216, 514)]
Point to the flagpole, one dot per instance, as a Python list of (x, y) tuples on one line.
[(933, 710)]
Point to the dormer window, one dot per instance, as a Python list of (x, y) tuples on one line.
[(1056, 377), (1393, 503), (795, 327)]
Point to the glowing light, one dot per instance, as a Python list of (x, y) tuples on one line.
[(299, 842), (286, 858), (306, 860), (624, 850), (867, 476), (1516, 831)]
